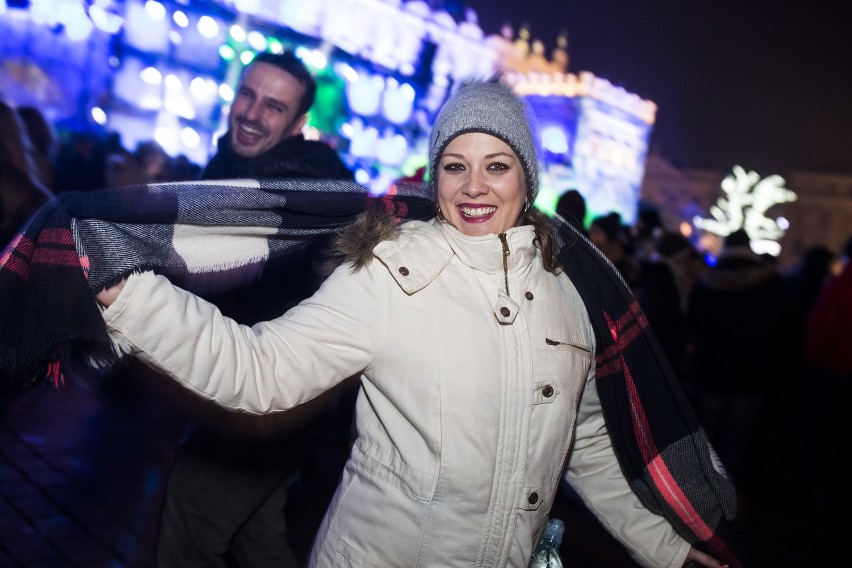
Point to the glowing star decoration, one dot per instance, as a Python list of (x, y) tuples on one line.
[(744, 206)]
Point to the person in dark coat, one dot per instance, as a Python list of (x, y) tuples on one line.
[(234, 478), (740, 325), (740, 368)]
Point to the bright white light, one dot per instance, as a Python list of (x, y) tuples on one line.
[(316, 59), (149, 102), (99, 116), (391, 150), (202, 89), (226, 92), (104, 20), (175, 37), (365, 95), (151, 76), (783, 223), (763, 246), (238, 33), (173, 84), (207, 27), (363, 142), (554, 140), (257, 40), (744, 205), (165, 137), (190, 137), (79, 29), (246, 57), (180, 19), (78, 26), (346, 71), (311, 133), (346, 130), (398, 102), (155, 10), (362, 176), (178, 105)]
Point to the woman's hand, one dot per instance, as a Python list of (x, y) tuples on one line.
[(108, 295), (702, 559)]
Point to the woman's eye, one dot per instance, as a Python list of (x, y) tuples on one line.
[(498, 166), (453, 167)]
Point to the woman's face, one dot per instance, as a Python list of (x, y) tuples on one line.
[(481, 186)]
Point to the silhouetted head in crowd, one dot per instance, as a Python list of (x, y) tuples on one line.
[(38, 129), (271, 103), (571, 204), (648, 222), (607, 231), (671, 244), (738, 239)]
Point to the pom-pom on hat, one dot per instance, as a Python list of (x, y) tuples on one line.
[(492, 108)]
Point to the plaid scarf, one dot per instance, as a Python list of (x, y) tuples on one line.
[(213, 236)]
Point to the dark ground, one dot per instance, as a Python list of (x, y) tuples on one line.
[(82, 472)]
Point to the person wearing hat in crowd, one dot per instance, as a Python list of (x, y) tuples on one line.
[(485, 365)]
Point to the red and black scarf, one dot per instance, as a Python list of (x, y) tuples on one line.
[(220, 234)]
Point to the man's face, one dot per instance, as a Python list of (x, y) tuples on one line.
[(264, 110)]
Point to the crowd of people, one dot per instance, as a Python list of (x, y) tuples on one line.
[(762, 355), (758, 349)]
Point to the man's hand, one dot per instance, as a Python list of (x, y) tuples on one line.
[(108, 295)]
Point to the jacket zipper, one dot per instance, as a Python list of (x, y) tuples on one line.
[(502, 237)]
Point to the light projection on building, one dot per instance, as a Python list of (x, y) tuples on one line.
[(594, 139), (745, 204)]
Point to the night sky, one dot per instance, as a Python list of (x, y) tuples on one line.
[(767, 88)]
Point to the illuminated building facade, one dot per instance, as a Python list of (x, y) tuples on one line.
[(166, 70)]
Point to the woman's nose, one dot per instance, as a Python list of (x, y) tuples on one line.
[(476, 185)]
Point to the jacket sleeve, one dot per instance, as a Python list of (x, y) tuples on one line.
[(268, 367), (594, 474)]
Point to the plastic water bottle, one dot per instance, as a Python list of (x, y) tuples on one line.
[(546, 553)]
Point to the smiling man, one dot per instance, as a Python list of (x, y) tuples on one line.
[(264, 137), (231, 478)]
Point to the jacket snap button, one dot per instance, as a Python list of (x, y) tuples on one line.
[(403, 270), (547, 391), (533, 498), (505, 312), (529, 295)]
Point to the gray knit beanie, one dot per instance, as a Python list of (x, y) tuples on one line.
[(492, 108)]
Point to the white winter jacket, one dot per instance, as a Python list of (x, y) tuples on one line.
[(477, 369)]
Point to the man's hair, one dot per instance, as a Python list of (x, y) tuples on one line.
[(291, 64)]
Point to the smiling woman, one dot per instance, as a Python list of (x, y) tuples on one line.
[(481, 187), (488, 358)]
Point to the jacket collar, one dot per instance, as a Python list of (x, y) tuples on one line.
[(486, 253), (423, 249)]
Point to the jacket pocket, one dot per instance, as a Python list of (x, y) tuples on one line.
[(392, 470), (348, 557)]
